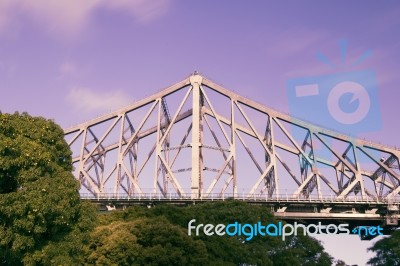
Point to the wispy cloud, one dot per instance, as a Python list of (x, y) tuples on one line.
[(89, 101), (69, 17), (65, 17)]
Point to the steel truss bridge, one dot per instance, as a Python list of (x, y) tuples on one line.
[(196, 141)]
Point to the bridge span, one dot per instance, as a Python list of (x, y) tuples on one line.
[(197, 141)]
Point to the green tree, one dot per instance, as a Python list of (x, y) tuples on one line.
[(113, 244), (301, 250), (387, 251), (226, 250), (145, 241), (39, 200), (340, 263), (261, 250)]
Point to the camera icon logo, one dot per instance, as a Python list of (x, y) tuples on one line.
[(358, 92), (346, 102)]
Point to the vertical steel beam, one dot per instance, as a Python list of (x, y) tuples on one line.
[(120, 157), (273, 155), (233, 148), (158, 146), (195, 81)]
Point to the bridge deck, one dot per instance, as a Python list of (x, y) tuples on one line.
[(356, 211)]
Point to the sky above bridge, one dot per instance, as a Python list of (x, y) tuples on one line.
[(75, 60)]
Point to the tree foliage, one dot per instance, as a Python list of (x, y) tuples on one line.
[(220, 250), (144, 241), (387, 251), (39, 201)]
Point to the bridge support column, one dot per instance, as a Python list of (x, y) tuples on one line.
[(197, 129)]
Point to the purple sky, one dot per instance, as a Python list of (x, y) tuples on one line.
[(73, 60)]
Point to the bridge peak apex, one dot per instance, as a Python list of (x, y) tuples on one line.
[(196, 78)]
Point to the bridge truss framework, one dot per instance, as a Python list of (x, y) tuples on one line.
[(197, 141)]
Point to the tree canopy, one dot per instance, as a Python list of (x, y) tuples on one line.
[(387, 251), (162, 225), (39, 200), (144, 241)]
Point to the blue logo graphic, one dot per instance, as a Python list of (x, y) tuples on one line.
[(345, 102), (365, 231)]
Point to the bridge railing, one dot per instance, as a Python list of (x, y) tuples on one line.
[(229, 196)]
